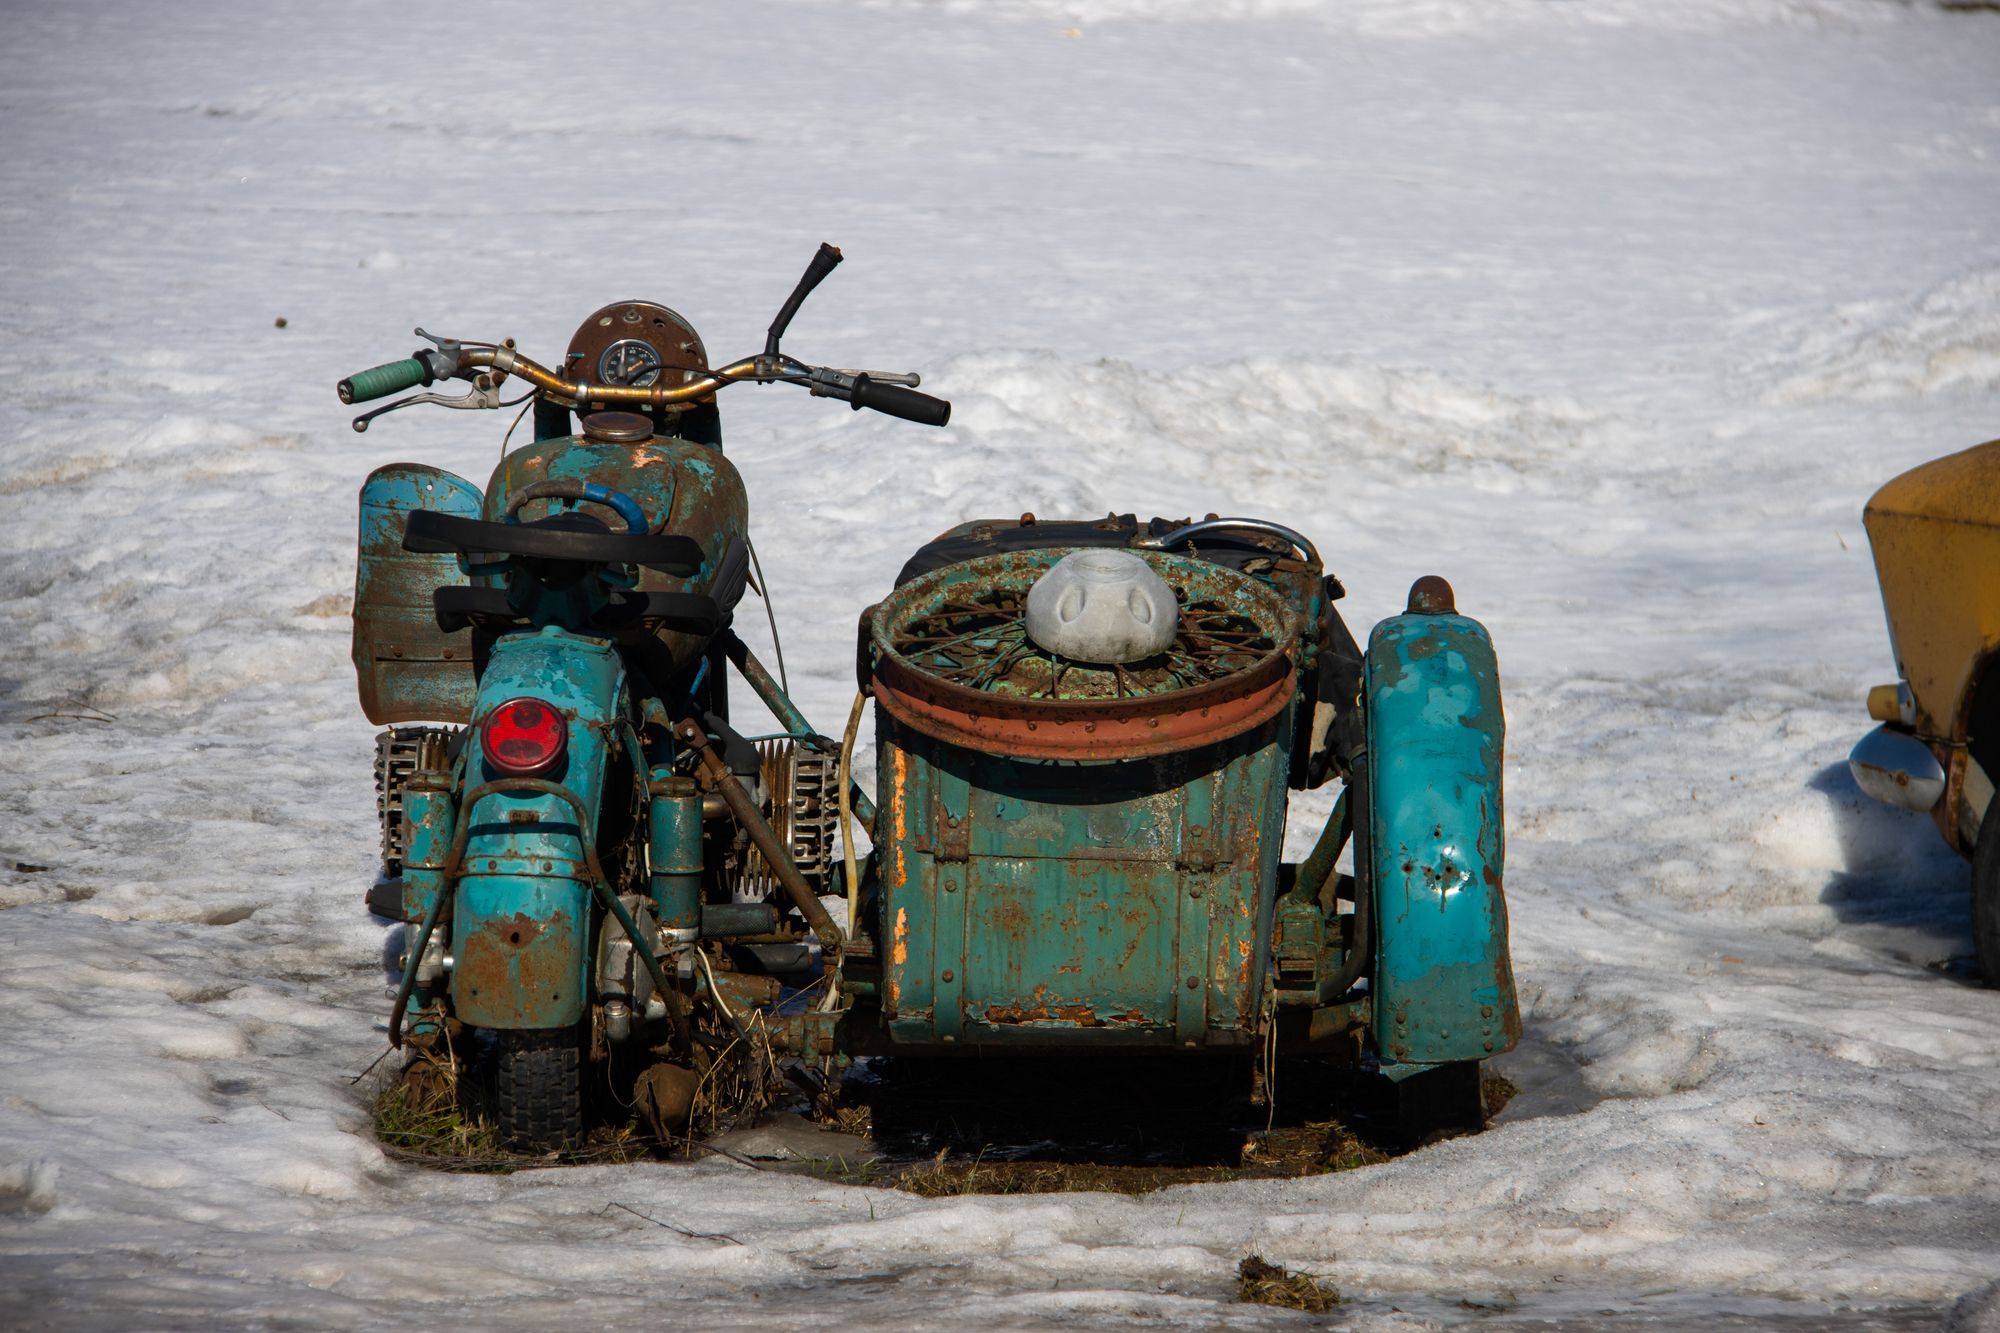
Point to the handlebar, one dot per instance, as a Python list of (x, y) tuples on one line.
[(899, 402), (381, 381), (858, 388), (486, 366)]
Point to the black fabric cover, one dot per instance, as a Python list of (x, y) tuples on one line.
[(433, 533), (969, 541), (458, 606), (732, 573)]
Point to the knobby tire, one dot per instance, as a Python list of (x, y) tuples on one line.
[(538, 1089)]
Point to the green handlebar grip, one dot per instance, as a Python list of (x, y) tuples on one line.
[(384, 380)]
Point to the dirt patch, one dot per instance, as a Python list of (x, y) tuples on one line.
[(1288, 1153), (1134, 1125), (428, 1116), (992, 1126)]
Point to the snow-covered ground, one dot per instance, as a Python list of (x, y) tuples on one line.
[(1612, 311)]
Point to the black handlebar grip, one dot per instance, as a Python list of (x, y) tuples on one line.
[(897, 401)]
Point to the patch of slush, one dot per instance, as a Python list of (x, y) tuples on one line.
[(1407, 19), (1948, 338)]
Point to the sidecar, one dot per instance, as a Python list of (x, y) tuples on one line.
[(1082, 857)]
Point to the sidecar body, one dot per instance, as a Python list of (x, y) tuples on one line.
[(1078, 858)]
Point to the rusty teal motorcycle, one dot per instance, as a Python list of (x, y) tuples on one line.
[(573, 817), (1086, 733)]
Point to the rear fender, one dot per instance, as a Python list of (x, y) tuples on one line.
[(1443, 984), (523, 917)]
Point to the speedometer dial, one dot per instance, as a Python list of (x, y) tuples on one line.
[(629, 361)]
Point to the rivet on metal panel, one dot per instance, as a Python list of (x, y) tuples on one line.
[(1194, 983), (946, 976), (951, 886), (1486, 1011), (1194, 893)]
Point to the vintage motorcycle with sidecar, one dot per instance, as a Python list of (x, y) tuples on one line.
[(1085, 732)]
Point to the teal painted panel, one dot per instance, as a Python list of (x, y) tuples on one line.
[(407, 669), (581, 678), (1443, 984), (1034, 903), (523, 919), (685, 488), (1075, 944)]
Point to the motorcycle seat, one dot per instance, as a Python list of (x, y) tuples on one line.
[(430, 532), (458, 606)]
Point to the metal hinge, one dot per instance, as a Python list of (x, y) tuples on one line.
[(954, 837), (1201, 847)]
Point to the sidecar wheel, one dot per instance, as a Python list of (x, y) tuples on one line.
[(538, 1089), (1986, 897)]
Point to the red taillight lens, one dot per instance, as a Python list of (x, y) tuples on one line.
[(523, 736)]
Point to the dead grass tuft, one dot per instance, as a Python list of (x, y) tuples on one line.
[(1263, 1283), (424, 1117)]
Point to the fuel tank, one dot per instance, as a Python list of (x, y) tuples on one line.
[(686, 488)]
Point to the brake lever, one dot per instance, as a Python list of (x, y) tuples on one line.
[(827, 382), (481, 397), (910, 380)]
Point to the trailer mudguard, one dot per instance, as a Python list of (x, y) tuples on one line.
[(1443, 985), (523, 911), (408, 669)]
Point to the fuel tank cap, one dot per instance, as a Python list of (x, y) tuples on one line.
[(617, 428)]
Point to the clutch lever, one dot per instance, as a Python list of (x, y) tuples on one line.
[(485, 394)]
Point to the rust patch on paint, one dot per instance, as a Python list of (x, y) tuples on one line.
[(1075, 1015), (900, 762), (516, 968), (1011, 919)]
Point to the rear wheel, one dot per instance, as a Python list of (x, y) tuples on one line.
[(538, 1089), (1986, 896)]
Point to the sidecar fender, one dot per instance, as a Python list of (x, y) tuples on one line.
[(1443, 985)]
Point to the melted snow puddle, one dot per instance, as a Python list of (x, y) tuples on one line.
[(1604, 1311)]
